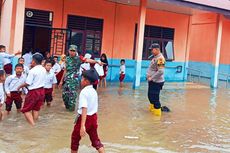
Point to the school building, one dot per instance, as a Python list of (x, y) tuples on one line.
[(194, 35)]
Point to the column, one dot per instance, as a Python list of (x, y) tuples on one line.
[(139, 43), (186, 65), (216, 59), (12, 25)]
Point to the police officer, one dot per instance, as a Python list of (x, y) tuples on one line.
[(155, 76)]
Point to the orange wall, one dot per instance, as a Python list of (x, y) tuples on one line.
[(203, 37), (179, 22), (225, 45), (117, 42), (89, 8)]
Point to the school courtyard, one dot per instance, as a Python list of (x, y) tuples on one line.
[(194, 36), (198, 122)]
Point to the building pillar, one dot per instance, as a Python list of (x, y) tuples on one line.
[(216, 59), (139, 43), (186, 65), (12, 25)]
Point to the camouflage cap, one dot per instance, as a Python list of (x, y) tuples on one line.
[(73, 47)]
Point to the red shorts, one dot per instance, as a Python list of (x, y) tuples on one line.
[(8, 68), (33, 100), (91, 129), (59, 76), (48, 95), (16, 98), (121, 78)]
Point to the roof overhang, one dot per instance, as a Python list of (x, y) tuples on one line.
[(188, 7)]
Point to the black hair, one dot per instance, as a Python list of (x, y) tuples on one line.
[(20, 58), (49, 61), (2, 46), (90, 75), (105, 60), (122, 60), (2, 72), (55, 56), (37, 57), (46, 53), (19, 65)]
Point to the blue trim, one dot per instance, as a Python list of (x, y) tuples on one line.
[(170, 71), (137, 75), (206, 68), (210, 71)]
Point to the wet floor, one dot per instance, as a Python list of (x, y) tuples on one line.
[(199, 122)]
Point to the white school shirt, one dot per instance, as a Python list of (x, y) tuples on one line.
[(99, 69), (6, 57), (50, 80), (12, 83), (62, 65), (84, 67), (36, 77), (28, 58), (122, 69), (2, 94), (88, 98), (56, 68), (26, 70), (1, 62)]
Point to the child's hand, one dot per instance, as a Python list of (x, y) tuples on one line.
[(8, 95), (82, 131), (60, 85), (18, 88), (101, 63)]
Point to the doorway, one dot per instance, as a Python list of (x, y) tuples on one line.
[(36, 39)]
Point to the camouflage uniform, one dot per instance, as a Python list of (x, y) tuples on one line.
[(71, 85)]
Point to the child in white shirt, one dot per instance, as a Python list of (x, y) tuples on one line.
[(122, 72), (86, 122), (50, 83)]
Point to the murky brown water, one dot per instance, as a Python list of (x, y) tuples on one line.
[(199, 122)]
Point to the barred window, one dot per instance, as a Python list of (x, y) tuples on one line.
[(161, 35), (86, 34)]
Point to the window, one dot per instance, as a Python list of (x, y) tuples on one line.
[(86, 34), (161, 35)]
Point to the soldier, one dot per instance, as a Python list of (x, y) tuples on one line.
[(70, 77), (155, 76)]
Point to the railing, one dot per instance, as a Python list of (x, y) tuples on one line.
[(190, 70), (227, 78), (190, 74)]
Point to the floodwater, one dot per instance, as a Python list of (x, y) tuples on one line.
[(199, 121)]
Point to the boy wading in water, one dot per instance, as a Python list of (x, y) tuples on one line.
[(35, 82), (11, 85), (86, 121)]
